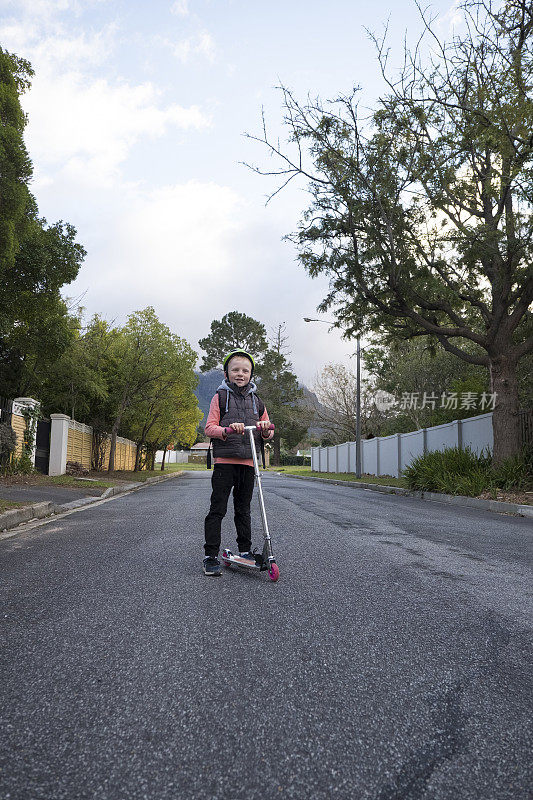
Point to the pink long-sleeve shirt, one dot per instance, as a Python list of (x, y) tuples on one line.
[(214, 430)]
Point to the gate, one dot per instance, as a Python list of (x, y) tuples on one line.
[(6, 407), (42, 445)]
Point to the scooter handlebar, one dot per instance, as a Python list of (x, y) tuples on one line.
[(227, 431)]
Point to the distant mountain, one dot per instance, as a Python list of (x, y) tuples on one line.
[(208, 383)]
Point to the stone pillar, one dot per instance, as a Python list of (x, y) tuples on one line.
[(21, 403), (58, 444)]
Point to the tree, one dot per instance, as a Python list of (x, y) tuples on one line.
[(168, 409), (422, 217), (35, 324), (149, 356), (279, 389), (77, 384), (178, 421), (232, 331), (431, 386), (336, 389), (15, 164), (35, 259)]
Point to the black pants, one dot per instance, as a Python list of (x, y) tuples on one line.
[(226, 477)]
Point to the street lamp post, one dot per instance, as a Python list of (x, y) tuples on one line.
[(357, 403)]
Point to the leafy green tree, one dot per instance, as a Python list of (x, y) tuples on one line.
[(417, 368), (279, 389), (149, 356), (77, 383), (422, 217), (36, 260), (167, 410), (35, 324), (232, 331), (177, 422), (15, 164)]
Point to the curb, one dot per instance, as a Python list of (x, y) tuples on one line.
[(459, 500), (16, 516)]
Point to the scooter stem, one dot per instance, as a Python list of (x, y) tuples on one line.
[(251, 429)]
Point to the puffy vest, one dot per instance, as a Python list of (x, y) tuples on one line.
[(240, 408)]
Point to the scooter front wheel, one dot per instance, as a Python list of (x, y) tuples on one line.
[(273, 572)]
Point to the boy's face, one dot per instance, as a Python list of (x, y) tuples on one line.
[(239, 370)]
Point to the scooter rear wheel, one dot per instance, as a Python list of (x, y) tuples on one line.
[(273, 572)]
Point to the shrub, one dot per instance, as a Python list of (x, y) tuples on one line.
[(515, 472), (442, 470), (289, 460), (8, 442), (461, 471), (23, 465)]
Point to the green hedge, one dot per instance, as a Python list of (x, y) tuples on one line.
[(461, 471), (287, 460)]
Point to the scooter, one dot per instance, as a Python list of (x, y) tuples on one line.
[(265, 560)]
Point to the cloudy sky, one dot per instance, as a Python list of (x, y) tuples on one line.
[(136, 121)]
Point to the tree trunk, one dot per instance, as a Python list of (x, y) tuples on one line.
[(113, 447), (140, 446), (277, 451), (163, 459), (505, 417)]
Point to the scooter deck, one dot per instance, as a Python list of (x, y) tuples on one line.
[(229, 558)]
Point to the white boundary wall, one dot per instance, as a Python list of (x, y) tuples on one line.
[(173, 457), (389, 455)]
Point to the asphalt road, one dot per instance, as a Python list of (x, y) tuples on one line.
[(392, 661)]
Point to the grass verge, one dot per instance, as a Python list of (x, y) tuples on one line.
[(37, 479), (7, 505), (181, 467), (341, 476)]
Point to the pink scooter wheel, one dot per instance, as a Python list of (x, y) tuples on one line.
[(273, 572)]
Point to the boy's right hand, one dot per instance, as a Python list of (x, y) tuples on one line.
[(238, 427)]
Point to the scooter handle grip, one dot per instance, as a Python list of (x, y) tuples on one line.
[(227, 431)]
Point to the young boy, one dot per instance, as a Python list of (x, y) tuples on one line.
[(235, 405)]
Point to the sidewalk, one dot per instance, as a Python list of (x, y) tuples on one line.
[(53, 494), (38, 501)]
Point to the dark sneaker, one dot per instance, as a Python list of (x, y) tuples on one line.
[(212, 566), (248, 555)]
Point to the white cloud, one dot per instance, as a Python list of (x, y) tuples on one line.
[(38, 8), (453, 18), (172, 247), (79, 123), (196, 251), (201, 44), (84, 49), (49, 43), (180, 8), (75, 120)]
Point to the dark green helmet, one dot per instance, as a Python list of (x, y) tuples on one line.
[(238, 352)]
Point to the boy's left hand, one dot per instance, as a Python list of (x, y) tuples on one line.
[(264, 425)]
